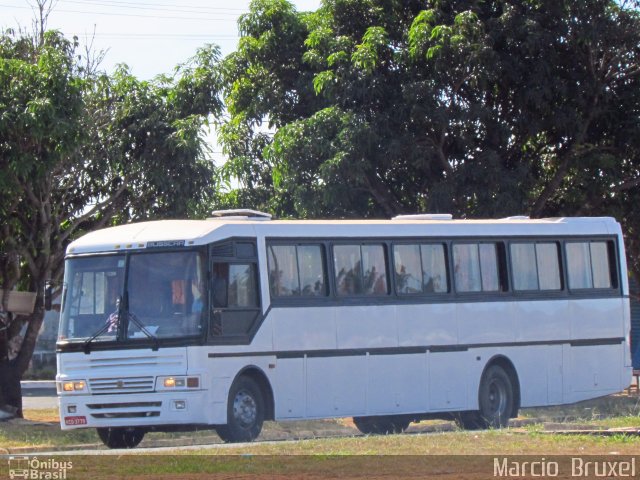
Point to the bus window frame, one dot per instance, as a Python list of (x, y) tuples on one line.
[(613, 249), (233, 259), (300, 299), (123, 343), (563, 291), (358, 298), (447, 266), (503, 268)]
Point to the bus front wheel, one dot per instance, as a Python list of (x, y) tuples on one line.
[(380, 425), (245, 412), (121, 437), (496, 401)]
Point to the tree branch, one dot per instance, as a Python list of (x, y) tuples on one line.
[(98, 207)]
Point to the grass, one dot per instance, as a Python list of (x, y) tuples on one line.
[(41, 429), (506, 442)]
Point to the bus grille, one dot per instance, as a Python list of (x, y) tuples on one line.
[(121, 385), (125, 410)]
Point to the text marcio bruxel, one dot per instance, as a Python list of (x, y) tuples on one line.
[(505, 467)]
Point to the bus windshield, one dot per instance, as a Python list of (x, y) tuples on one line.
[(135, 296)]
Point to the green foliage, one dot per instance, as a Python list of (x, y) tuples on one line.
[(379, 107), (81, 151)]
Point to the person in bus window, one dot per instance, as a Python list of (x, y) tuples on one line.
[(112, 319), (198, 300)]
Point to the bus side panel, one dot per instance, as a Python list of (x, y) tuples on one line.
[(289, 388), (397, 384), (485, 322), (595, 370), (539, 320), (367, 326), (430, 324), (598, 318), (336, 386), (449, 388), (302, 329)]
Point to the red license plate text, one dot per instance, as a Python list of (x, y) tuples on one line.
[(81, 420)]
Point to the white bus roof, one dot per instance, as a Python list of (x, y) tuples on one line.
[(168, 233)]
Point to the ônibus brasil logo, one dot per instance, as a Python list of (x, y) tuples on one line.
[(38, 468)]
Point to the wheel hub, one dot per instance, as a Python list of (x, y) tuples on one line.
[(497, 398), (245, 409)]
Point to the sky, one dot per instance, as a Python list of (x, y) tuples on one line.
[(150, 36)]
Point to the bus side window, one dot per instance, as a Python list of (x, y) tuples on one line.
[(220, 274), (479, 267), (219, 292), (242, 288), (589, 265), (360, 269)]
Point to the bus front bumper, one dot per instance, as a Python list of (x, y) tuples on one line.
[(139, 410)]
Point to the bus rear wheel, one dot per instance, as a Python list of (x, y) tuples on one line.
[(121, 437), (245, 412), (382, 425), (496, 401)]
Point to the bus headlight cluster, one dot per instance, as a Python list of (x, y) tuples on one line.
[(71, 386), (177, 383)]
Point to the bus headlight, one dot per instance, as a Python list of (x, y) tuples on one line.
[(71, 386), (178, 383)]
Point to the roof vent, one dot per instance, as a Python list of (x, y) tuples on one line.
[(424, 216), (239, 214)]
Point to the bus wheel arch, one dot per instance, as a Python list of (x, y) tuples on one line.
[(507, 365), (258, 376), (498, 397), (249, 404)]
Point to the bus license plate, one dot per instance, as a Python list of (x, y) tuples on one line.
[(75, 420)]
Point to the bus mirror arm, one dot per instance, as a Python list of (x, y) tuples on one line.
[(48, 296)]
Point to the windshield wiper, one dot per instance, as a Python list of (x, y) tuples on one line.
[(107, 325), (103, 329), (143, 329)]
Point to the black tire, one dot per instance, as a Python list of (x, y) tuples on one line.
[(495, 399), (121, 437), (382, 425), (469, 421), (245, 412)]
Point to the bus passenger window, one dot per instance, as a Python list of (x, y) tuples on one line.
[(466, 268), (408, 268), (600, 265), (523, 261), (296, 270), (548, 262), (360, 270), (243, 291), (284, 280), (479, 267), (375, 270), (588, 265), (434, 268), (420, 268), (536, 266)]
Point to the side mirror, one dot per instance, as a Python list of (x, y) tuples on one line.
[(48, 296)]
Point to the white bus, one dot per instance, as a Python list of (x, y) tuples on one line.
[(228, 322)]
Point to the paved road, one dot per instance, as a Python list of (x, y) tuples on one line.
[(38, 395)]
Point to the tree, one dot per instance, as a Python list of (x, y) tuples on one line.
[(82, 151), (473, 108)]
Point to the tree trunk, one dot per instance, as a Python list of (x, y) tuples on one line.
[(10, 390), (12, 368)]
